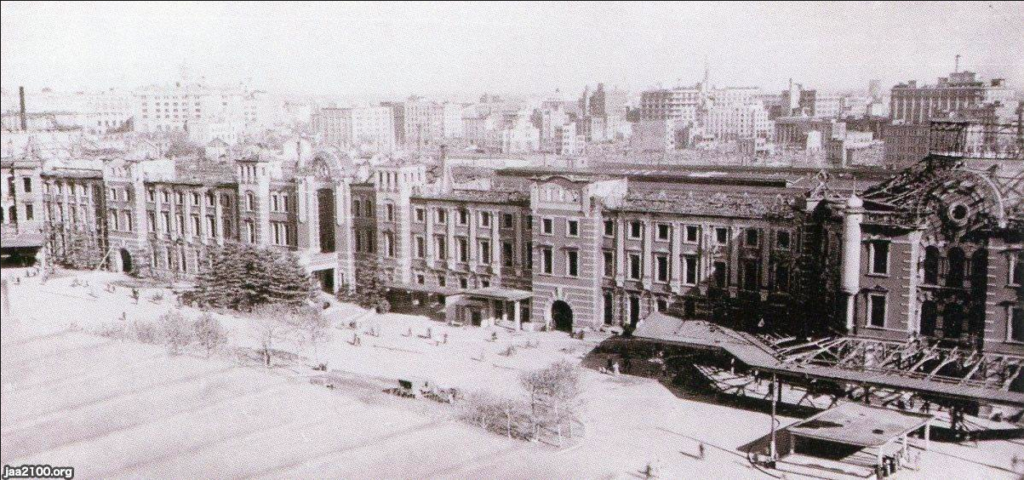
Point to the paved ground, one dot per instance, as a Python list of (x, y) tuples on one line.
[(121, 410)]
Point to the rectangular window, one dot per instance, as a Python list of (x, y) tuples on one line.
[(357, 208), (690, 269), (752, 237), (463, 250), (636, 230), (572, 263), (721, 235), (664, 232), (880, 258), (27, 184), (876, 310), (442, 281), (635, 268), (609, 228), (547, 261), (692, 233), (441, 216), (421, 247), (782, 278), (30, 212), (661, 268), (485, 252), (609, 264), (547, 226), (1017, 269), (609, 308), (529, 255), (442, 247), (463, 283), (485, 219), (634, 310), (507, 254), (507, 220), (572, 228), (782, 240), (1016, 325), (463, 217), (389, 212), (751, 275), (421, 215)]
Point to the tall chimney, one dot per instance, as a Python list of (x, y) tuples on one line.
[(22, 116)]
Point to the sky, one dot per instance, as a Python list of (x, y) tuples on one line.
[(398, 49)]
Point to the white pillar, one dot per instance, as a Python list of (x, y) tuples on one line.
[(852, 218), (518, 315)]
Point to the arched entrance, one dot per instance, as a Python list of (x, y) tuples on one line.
[(561, 316), (126, 261)]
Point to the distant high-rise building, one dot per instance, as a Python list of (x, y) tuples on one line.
[(960, 92), (677, 104), (369, 128)]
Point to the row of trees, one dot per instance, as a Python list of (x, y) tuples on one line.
[(279, 323), (173, 330), (549, 407)]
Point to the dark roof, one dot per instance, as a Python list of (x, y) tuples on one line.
[(754, 353), (479, 196), (739, 205)]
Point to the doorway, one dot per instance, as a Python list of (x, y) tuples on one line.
[(561, 315), (126, 261)]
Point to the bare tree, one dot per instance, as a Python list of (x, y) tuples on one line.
[(273, 323), (209, 333), (314, 328), (554, 394), (176, 331)]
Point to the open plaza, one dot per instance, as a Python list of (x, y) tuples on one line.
[(72, 397)]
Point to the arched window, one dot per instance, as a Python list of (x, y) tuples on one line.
[(250, 231), (931, 266), (957, 264), (250, 201)]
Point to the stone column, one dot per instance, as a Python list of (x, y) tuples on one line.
[(518, 315), (218, 221), (676, 258), (496, 248)]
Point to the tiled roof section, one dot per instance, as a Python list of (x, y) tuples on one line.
[(203, 171), (736, 205), (479, 196)]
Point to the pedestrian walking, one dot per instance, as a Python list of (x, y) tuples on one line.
[(700, 450)]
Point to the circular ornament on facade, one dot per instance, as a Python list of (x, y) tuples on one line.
[(958, 213)]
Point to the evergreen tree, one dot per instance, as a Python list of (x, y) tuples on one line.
[(242, 277), (371, 288)]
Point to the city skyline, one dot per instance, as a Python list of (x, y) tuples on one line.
[(368, 51)]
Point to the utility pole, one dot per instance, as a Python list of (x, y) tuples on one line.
[(775, 395)]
